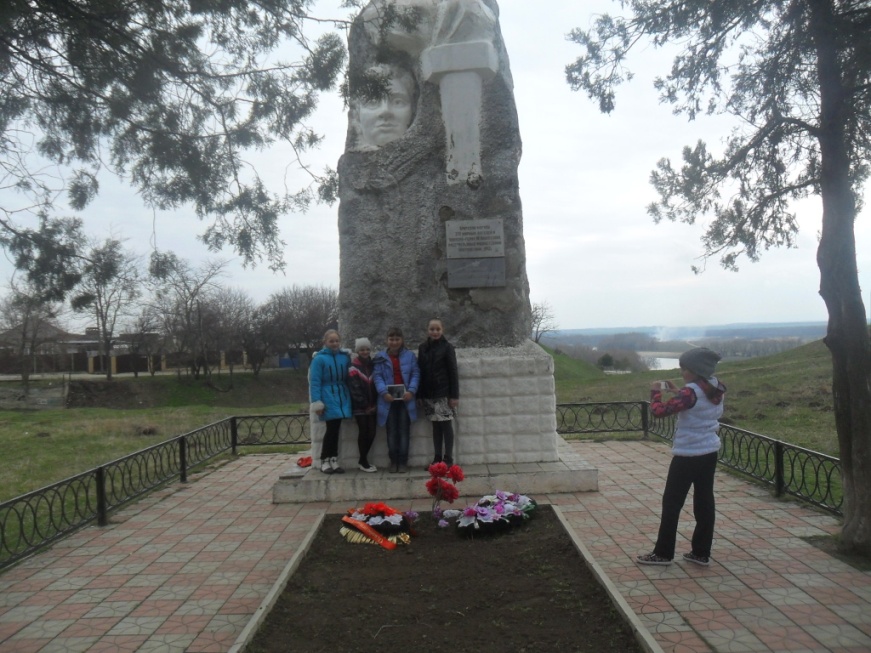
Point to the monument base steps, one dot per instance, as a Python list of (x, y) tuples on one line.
[(570, 473)]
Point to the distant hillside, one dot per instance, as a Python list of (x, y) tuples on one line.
[(803, 330), (787, 396), (570, 371)]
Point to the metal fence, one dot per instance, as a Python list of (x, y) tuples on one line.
[(615, 417), (37, 519), (790, 470)]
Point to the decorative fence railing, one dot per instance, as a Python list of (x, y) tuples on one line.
[(790, 470), (35, 520)]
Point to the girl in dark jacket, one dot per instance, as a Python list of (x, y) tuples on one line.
[(439, 389), (364, 399)]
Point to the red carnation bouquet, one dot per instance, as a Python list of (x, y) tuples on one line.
[(442, 485)]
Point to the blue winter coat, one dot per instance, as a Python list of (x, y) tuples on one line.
[(328, 383), (384, 377)]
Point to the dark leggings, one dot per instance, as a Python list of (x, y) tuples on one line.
[(330, 445), (365, 435), (685, 472), (443, 434)]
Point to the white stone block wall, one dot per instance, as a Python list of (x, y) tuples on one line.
[(507, 413)]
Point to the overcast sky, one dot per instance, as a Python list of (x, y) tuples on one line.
[(593, 253)]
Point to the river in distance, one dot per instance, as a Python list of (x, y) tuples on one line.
[(662, 363)]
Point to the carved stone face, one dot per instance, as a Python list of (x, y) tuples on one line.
[(385, 119)]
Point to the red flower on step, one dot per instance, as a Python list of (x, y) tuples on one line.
[(450, 493), (455, 473), (440, 488), (438, 469)]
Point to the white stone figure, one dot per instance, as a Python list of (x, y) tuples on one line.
[(460, 59), (454, 42), (396, 35), (384, 119), (463, 21)]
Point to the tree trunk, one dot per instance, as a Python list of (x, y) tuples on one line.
[(105, 339), (26, 363), (847, 335)]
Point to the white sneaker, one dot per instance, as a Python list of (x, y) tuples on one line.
[(325, 466), (334, 463), (370, 469)]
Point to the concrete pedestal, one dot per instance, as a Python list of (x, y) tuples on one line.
[(506, 439), (507, 413)]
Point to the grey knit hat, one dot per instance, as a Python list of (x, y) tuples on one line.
[(701, 361), (361, 343)]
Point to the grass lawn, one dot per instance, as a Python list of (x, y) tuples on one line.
[(41, 447)]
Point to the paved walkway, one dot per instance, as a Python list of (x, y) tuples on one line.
[(185, 569)]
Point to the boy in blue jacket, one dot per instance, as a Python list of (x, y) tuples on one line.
[(396, 366)]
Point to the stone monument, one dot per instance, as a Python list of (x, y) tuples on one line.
[(430, 220), (431, 225)]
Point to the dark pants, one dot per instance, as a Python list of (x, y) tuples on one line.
[(443, 439), (330, 445), (398, 432), (365, 435), (685, 472)]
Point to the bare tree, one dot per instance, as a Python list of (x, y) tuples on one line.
[(109, 287), (304, 313), (29, 322), (180, 301), (542, 320), (230, 314), (260, 335), (143, 338)]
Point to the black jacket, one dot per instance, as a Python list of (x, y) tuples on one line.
[(438, 370), (361, 384)]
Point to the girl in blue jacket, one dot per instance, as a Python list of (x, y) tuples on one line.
[(396, 366), (329, 396)]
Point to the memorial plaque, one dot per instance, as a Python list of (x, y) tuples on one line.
[(476, 272), (475, 238)]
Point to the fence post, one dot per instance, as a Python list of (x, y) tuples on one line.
[(778, 469), (183, 458), (645, 418), (102, 507), (234, 434)]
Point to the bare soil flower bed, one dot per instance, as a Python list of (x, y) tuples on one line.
[(526, 590)]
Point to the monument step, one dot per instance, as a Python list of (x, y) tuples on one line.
[(570, 473)]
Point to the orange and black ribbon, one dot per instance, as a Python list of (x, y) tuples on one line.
[(370, 532)]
